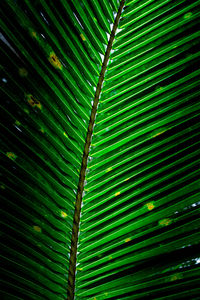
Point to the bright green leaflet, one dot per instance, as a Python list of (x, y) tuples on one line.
[(139, 226)]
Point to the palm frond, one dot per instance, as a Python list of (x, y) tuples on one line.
[(139, 221)]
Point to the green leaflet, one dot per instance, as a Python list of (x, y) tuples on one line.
[(139, 225)]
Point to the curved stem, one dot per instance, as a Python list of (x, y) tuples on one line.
[(75, 228)]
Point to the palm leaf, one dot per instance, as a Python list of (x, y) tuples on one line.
[(139, 218)]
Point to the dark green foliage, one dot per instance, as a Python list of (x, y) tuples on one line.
[(139, 231)]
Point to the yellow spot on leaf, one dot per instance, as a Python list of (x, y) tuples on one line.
[(82, 36), (37, 228), (109, 169), (176, 277), (65, 134), (55, 61), (33, 101), (188, 15), (33, 34), (23, 72), (17, 123), (2, 187), (117, 194), (126, 179), (150, 206), (160, 88), (127, 240), (165, 222), (79, 269), (42, 130), (95, 298), (63, 214), (11, 155), (110, 257), (159, 133)]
